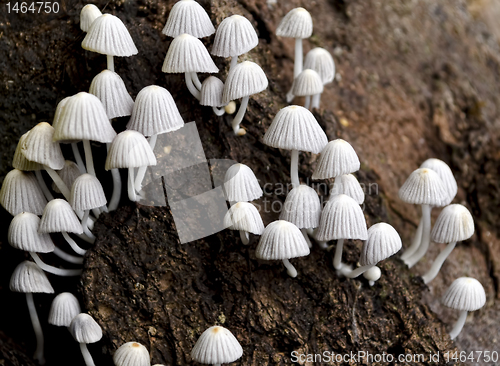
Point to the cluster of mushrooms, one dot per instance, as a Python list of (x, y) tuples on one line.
[(87, 117)]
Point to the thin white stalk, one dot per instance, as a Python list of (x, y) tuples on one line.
[(316, 99), (239, 116), (294, 168), (219, 111), (337, 259), (141, 172), (457, 328), (110, 62), (290, 269), (85, 226), (131, 189), (306, 236), (357, 272), (307, 104), (299, 55), (88, 157), (85, 237), (55, 270), (117, 186), (192, 89), (78, 158), (67, 257), (43, 186), (39, 355), (245, 238), (416, 242), (436, 266), (234, 62), (426, 237), (196, 80), (89, 361), (76, 248), (58, 182)]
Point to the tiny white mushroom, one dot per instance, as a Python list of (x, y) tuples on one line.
[(307, 84), (109, 87), (63, 310), (131, 354), (89, 13), (216, 345), (187, 16), (321, 61), (337, 158), (241, 184), (85, 330), (245, 217), (20, 192)]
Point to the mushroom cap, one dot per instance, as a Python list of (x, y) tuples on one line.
[(58, 216), (129, 149), (187, 16), (109, 36), (155, 112), (281, 240), (424, 187), (211, 92), (132, 353), (23, 234), (68, 174), (89, 13), (337, 158), (64, 308), (109, 87), (87, 193), (245, 79), (241, 184), (321, 61), (20, 192), (349, 185), (342, 218), (188, 54), (85, 329), (82, 117), (235, 36), (383, 241), (244, 216), (39, 146), (216, 345), (297, 23), (454, 223), (446, 176), (29, 278), (302, 207), (307, 83), (465, 293), (19, 161), (295, 128)]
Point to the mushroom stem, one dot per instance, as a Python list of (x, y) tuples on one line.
[(239, 116), (426, 237), (234, 62), (192, 89), (299, 55), (89, 361), (43, 186), (67, 257), (78, 158), (416, 242), (316, 99), (290, 269), (111, 63), (294, 168), (245, 238), (304, 234), (438, 262), (85, 237), (39, 356), (76, 248), (131, 189), (85, 227), (88, 157), (55, 270), (356, 272), (219, 111), (307, 104), (312, 234), (337, 259), (141, 172), (58, 182), (457, 328), (117, 187), (196, 80)]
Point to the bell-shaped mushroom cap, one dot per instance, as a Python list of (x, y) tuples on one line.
[(109, 87), (424, 187), (85, 329), (453, 224), (20, 192), (295, 128), (281, 240), (245, 79), (187, 16), (235, 36), (307, 83), (29, 278), (465, 293), (19, 161), (296, 24), (58, 217), (336, 159), (244, 216), (349, 185), (216, 345), (342, 218), (39, 146), (188, 54), (109, 36), (68, 174), (87, 193), (302, 207), (64, 308), (211, 92), (129, 149), (446, 176), (89, 13), (133, 353), (82, 117), (383, 241), (155, 112), (241, 184), (23, 234), (321, 61)]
